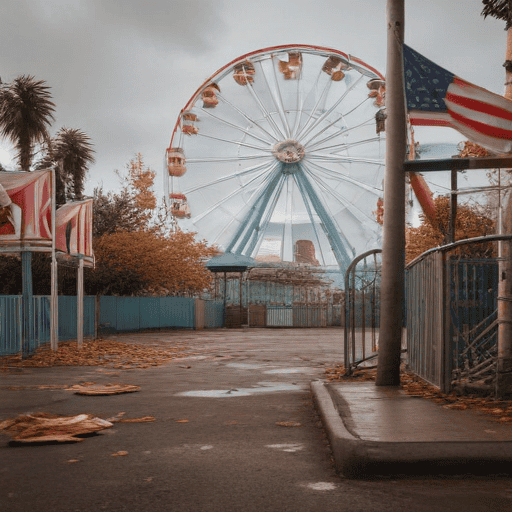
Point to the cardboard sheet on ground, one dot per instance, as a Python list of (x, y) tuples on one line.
[(42, 427)]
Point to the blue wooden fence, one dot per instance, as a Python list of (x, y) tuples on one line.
[(11, 321), (117, 314), (139, 313)]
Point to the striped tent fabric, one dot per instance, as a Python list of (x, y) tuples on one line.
[(27, 197), (436, 97), (74, 229)]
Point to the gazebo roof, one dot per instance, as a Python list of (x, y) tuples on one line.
[(230, 262)]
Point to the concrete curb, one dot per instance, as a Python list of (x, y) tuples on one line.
[(355, 457)]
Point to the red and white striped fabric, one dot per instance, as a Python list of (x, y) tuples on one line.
[(436, 97), (29, 217), (74, 228)]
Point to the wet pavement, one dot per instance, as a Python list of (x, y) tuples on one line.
[(235, 429)]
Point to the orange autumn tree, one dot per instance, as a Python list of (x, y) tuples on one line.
[(470, 222), (135, 253), (145, 263)]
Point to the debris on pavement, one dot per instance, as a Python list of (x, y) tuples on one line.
[(144, 419), (102, 389), (42, 427), (288, 424), (100, 352), (119, 454)]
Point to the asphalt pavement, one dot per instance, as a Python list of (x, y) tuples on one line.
[(235, 429)]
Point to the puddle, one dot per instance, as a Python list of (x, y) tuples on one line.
[(290, 370), (321, 486), (245, 366), (262, 387), (286, 447)]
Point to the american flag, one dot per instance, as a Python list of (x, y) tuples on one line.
[(436, 97)]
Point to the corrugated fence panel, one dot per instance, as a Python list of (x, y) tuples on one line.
[(177, 312), (67, 318), (213, 313), (149, 313), (10, 324), (128, 313), (108, 314), (279, 316), (11, 327)]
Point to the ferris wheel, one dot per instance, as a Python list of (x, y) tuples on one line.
[(279, 155)]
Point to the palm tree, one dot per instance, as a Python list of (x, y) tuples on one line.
[(73, 152), (69, 152), (26, 113)]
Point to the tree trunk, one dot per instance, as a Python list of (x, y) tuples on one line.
[(393, 248)]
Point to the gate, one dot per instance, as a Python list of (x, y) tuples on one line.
[(451, 303), (362, 309)]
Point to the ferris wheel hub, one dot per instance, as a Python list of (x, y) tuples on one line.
[(289, 151)]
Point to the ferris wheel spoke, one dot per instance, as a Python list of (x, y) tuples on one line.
[(343, 177), (342, 116), (340, 198), (367, 122), (344, 146), (344, 159), (244, 115), (260, 229), (259, 201), (236, 143), (313, 112), (265, 167), (214, 159), (218, 204), (264, 111), (298, 113), (329, 111), (236, 127), (279, 103)]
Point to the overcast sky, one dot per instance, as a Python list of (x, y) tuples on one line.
[(121, 70)]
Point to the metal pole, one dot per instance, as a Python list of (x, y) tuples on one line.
[(453, 205), (80, 302), (393, 249), (26, 300), (54, 315)]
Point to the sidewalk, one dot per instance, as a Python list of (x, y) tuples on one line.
[(377, 430)]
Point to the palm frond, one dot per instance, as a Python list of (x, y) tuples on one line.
[(26, 113), (499, 9)]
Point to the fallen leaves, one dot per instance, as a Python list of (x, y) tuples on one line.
[(144, 419), (338, 372), (288, 424), (43, 427), (108, 353), (414, 386), (181, 421), (119, 454)]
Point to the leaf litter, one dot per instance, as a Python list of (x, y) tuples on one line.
[(416, 387), (107, 353)]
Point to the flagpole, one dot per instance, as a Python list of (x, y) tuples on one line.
[(393, 248), (54, 316)]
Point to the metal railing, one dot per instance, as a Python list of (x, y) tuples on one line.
[(450, 311), (362, 309)]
